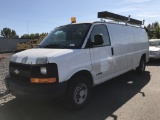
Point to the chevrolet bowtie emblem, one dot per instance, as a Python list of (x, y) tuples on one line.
[(16, 71)]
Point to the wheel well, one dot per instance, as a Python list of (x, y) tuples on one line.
[(85, 73), (144, 56)]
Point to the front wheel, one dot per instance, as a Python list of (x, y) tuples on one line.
[(142, 65), (78, 93)]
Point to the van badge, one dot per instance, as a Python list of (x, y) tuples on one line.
[(16, 71)]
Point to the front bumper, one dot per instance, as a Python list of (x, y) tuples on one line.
[(154, 56), (35, 91)]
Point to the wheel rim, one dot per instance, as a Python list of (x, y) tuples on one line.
[(80, 93)]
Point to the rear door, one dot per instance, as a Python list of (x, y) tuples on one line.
[(101, 55)]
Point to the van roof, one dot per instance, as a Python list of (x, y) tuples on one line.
[(112, 22), (105, 22)]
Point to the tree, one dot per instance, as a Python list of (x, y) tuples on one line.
[(149, 30), (25, 36), (156, 30), (153, 30), (13, 34), (33, 35), (43, 34), (37, 35), (8, 33)]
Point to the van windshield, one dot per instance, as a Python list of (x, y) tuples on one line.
[(69, 36)]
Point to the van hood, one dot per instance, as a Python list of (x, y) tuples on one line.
[(31, 55), (154, 48)]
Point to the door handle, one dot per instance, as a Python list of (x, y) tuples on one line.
[(112, 51)]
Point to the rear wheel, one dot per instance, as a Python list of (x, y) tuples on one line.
[(142, 65), (78, 92)]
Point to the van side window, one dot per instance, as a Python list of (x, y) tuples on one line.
[(101, 29)]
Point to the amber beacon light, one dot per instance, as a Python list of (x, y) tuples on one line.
[(73, 20)]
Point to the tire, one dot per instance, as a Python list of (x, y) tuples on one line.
[(78, 92), (142, 65)]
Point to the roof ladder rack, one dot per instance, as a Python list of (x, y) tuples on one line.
[(119, 18)]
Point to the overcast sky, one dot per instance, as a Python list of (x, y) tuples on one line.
[(32, 16)]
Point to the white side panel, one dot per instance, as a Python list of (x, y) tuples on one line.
[(121, 36), (142, 43), (129, 44), (140, 35)]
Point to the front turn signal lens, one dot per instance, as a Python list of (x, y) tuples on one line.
[(43, 80)]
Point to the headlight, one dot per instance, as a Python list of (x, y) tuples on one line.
[(41, 60), (24, 60), (43, 70), (14, 58)]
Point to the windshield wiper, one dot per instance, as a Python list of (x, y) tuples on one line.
[(53, 46)]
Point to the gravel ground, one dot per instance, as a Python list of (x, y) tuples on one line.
[(4, 65)]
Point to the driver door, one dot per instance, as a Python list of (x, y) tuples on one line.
[(101, 55)]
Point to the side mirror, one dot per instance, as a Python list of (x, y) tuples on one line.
[(98, 39)]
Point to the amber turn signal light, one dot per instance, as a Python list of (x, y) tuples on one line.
[(43, 80)]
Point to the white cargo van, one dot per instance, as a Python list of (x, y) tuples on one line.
[(75, 57)]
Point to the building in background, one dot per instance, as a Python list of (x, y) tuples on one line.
[(10, 44)]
